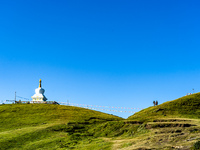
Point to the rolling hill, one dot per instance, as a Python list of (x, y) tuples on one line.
[(171, 125), (46, 126), (184, 107)]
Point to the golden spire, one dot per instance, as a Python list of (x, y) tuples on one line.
[(40, 85)]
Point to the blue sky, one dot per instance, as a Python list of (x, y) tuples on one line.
[(109, 53)]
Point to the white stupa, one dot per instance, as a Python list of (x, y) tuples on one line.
[(39, 94)]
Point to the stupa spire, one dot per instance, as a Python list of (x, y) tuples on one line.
[(40, 83)]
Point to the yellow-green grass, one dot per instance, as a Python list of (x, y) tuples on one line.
[(162, 135), (174, 124), (48, 126), (184, 107), (16, 116)]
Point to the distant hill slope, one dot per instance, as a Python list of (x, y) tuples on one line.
[(15, 116), (184, 107)]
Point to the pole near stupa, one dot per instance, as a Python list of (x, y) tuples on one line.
[(15, 95)]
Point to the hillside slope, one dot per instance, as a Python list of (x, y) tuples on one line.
[(46, 126), (171, 125), (16, 116), (184, 107)]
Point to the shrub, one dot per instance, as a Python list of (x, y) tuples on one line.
[(196, 145)]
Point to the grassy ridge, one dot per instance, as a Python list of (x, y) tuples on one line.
[(16, 116), (34, 126), (44, 126), (184, 107)]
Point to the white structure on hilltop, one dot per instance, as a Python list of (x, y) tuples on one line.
[(39, 94)]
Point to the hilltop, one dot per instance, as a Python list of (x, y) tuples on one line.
[(16, 116), (171, 125), (184, 107)]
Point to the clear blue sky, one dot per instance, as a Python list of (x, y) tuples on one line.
[(123, 53)]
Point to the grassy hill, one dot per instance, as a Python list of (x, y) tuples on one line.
[(171, 125), (46, 126), (17, 116), (184, 107)]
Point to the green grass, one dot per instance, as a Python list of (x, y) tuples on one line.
[(17, 116), (126, 145), (184, 107), (45, 126), (58, 127)]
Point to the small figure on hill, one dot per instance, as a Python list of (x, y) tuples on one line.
[(154, 103)]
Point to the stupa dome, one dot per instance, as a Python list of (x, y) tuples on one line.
[(39, 91)]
